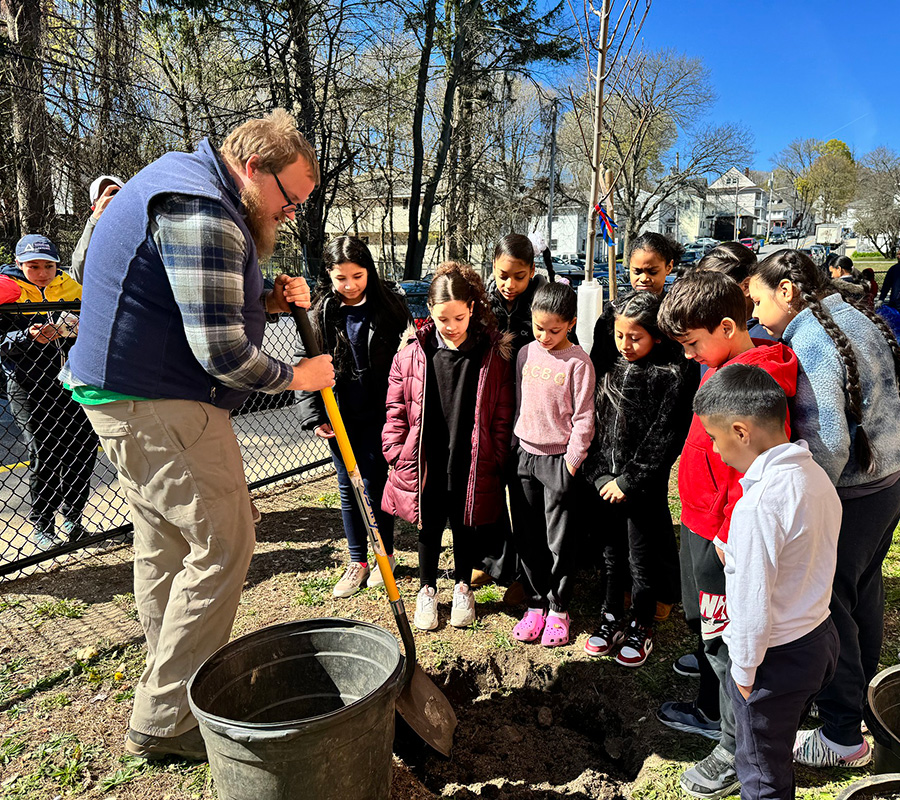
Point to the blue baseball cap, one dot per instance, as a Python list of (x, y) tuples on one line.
[(35, 247)]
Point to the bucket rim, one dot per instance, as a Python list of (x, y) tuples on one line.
[(872, 781), (287, 728), (871, 714)]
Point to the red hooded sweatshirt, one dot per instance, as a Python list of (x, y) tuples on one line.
[(707, 486)]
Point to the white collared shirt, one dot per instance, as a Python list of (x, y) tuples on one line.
[(780, 555)]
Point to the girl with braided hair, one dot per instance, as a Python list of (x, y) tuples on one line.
[(846, 408)]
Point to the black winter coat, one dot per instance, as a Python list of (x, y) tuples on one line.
[(515, 320), (638, 439), (383, 340)]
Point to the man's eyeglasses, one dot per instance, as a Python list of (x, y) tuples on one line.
[(288, 207)]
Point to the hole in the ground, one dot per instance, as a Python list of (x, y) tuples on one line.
[(529, 731)]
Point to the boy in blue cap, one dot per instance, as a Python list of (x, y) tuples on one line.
[(62, 445)]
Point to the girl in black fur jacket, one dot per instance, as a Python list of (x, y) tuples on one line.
[(358, 319), (642, 421)]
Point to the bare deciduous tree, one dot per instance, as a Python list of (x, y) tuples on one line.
[(878, 204), (662, 98)]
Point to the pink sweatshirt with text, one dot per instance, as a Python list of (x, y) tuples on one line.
[(555, 402)]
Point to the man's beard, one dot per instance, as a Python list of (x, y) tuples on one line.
[(263, 228)]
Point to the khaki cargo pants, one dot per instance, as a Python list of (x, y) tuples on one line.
[(181, 471)]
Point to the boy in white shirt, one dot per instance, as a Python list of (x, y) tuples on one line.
[(779, 567)]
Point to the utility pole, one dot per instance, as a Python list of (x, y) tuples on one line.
[(613, 278), (737, 186), (553, 110), (677, 204), (590, 293), (598, 132)]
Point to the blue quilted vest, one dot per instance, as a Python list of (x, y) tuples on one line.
[(131, 337)]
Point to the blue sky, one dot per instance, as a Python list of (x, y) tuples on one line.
[(794, 68)]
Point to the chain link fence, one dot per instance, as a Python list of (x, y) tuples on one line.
[(59, 493)]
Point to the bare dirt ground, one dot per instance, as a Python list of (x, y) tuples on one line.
[(533, 722)]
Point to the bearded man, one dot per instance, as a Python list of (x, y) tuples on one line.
[(173, 315)]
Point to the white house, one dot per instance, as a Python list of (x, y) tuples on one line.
[(733, 195)]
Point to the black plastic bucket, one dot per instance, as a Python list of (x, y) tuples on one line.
[(301, 710), (882, 715), (884, 787)]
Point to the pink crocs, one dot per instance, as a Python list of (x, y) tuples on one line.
[(556, 632), (529, 628)]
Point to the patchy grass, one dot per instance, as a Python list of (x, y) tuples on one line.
[(64, 607), (314, 590), (329, 499), (126, 603), (131, 768), (492, 593)]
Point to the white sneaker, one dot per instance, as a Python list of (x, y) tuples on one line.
[(426, 618), (462, 613), (352, 580), (375, 578)]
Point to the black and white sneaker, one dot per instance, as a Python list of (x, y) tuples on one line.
[(637, 645), (607, 637)]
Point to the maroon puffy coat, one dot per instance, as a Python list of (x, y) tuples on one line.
[(402, 435)]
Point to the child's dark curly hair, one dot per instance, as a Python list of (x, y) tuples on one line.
[(454, 280)]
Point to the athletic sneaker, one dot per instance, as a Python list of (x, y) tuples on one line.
[(73, 530), (375, 578), (426, 618), (47, 539), (189, 745), (714, 777), (810, 750), (462, 612), (687, 666), (637, 646), (688, 718), (607, 637), (352, 580)]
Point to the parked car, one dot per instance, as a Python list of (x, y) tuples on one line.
[(750, 243), (690, 257), (694, 252), (816, 253), (708, 241), (416, 296), (701, 247)]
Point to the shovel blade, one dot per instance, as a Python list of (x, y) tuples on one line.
[(425, 709)]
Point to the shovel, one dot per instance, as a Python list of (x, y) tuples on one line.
[(421, 704)]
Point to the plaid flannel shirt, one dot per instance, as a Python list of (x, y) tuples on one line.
[(203, 252)]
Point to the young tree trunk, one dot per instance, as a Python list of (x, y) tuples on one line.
[(303, 88), (413, 268), (30, 122)]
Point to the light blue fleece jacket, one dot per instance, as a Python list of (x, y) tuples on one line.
[(819, 413)]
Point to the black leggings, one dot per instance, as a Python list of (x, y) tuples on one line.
[(639, 539), (438, 504)]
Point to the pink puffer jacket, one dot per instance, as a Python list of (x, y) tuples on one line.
[(402, 435)]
